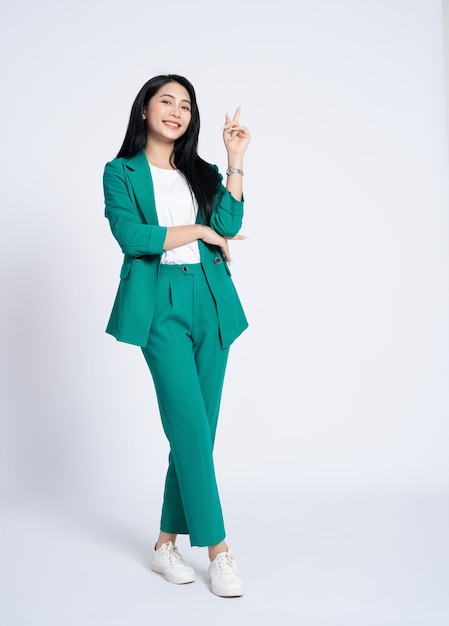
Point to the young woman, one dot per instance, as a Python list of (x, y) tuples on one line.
[(172, 217)]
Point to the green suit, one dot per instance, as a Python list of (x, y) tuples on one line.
[(184, 317), (131, 211)]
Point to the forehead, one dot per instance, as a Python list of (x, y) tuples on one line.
[(174, 89)]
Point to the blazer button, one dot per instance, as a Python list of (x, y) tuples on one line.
[(217, 260)]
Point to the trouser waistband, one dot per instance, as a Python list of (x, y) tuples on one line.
[(185, 268)]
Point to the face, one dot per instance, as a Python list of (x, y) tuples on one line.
[(168, 113)]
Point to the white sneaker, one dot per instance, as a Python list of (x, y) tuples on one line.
[(168, 562), (224, 575)]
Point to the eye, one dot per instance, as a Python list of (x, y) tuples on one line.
[(186, 108), (165, 101)]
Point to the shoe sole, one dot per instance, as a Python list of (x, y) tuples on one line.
[(190, 578)]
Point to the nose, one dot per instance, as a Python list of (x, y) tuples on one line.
[(175, 111)]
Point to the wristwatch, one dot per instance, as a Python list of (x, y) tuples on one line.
[(234, 170)]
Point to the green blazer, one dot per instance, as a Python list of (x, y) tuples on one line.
[(131, 210)]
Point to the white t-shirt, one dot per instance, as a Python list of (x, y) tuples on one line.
[(175, 206)]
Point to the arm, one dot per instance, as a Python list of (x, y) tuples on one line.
[(236, 138), (180, 235), (134, 236), (227, 214), (137, 238)]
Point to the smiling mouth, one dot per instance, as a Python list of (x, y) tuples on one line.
[(172, 124)]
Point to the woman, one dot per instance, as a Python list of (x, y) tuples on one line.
[(172, 218)]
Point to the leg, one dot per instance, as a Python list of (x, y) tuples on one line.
[(217, 549), (164, 538), (186, 425), (211, 362), (188, 379)]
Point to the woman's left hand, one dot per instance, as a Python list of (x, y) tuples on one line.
[(235, 136)]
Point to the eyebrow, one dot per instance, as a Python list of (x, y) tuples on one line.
[(164, 95)]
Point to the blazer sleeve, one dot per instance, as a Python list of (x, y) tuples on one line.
[(134, 236), (227, 212)]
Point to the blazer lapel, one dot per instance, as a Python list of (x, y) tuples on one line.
[(142, 184)]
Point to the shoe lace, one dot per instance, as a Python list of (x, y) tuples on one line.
[(172, 552), (226, 560)]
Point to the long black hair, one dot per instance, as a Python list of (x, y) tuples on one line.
[(202, 178)]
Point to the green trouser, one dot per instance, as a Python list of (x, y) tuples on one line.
[(188, 366)]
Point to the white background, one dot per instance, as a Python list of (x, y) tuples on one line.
[(340, 385)]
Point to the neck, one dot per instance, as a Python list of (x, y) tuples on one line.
[(160, 153)]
